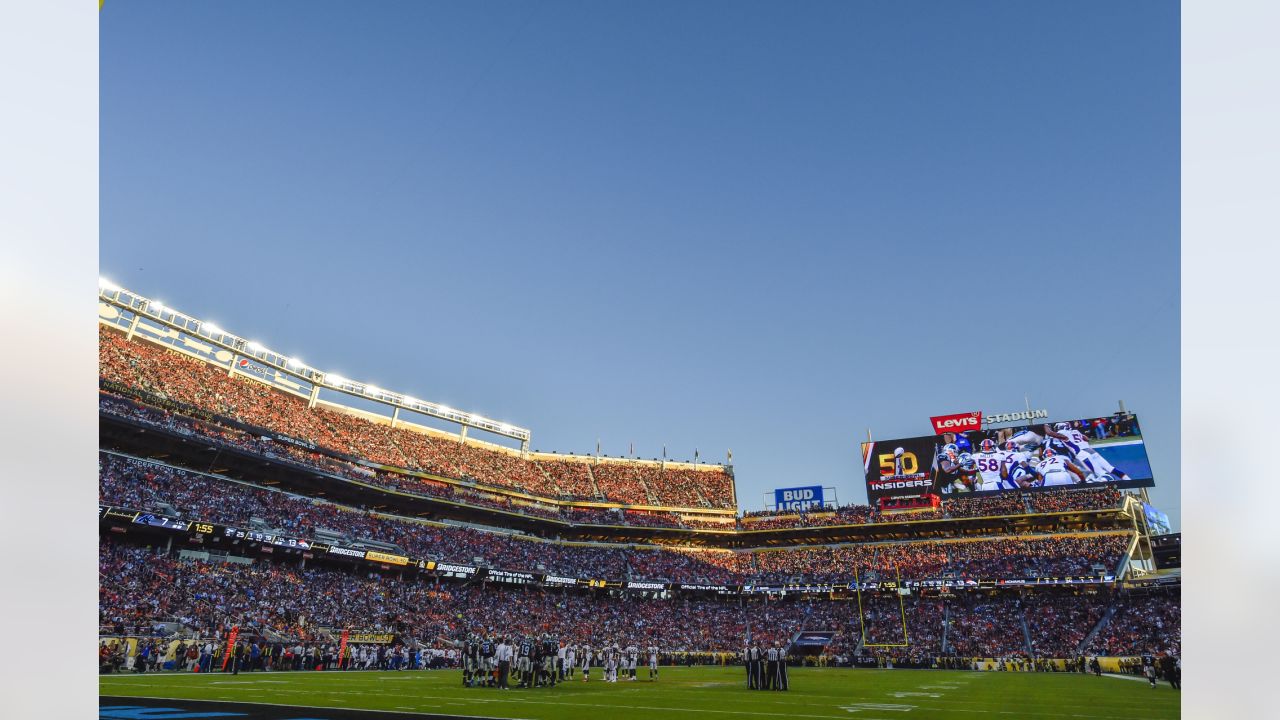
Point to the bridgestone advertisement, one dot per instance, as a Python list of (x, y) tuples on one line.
[(1090, 452)]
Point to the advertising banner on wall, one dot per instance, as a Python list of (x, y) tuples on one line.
[(1089, 452), (798, 498)]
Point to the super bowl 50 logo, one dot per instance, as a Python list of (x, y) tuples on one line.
[(899, 462)]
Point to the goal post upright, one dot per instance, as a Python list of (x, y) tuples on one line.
[(862, 616)]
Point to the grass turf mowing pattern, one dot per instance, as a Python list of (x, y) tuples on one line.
[(704, 692)]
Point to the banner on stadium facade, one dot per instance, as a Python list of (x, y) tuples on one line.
[(643, 585), (448, 569), (718, 589), (381, 557), (798, 498), (508, 576), (366, 638), (813, 639), (959, 422), (1090, 452), (559, 580)]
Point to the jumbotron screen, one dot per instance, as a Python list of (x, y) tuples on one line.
[(1090, 452)]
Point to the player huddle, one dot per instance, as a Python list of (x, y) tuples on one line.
[(612, 658), (543, 661), (1017, 459)]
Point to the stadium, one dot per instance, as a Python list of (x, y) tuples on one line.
[(277, 541)]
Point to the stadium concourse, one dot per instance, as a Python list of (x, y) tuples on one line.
[(238, 516)]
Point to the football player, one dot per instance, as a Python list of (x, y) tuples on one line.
[(524, 661), (1016, 471), (952, 476), (1084, 455), (653, 663), (989, 462), (1055, 469), (549, 649), (633, 657)]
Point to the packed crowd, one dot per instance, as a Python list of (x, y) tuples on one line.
[(178, 378), (986, 626), (898, 627), (143, 485), (291, 602), (285, 452), (1027, 558), (848, 514), (308, 606), (1057, 624), (1142, 623)]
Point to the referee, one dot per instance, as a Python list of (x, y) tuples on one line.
[(771, 671), (781, 682), (503, 656)]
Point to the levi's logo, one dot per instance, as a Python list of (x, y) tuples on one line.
[(960, 422)]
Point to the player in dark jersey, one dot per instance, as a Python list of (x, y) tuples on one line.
[(549, 648), (470, 660), (953, 476), (1149, 668), (525, 661), (488, 648)]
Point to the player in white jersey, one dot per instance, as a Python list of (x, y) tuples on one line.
[(633, 657), (586, 662), (1026, 440), (1054, 469), (988, 462), (610, 663), (653, 662), (1084, 455)]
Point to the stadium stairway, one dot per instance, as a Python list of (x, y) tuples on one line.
[(1026, 632), (1097, 628), (595, 486), (550, 480), (648, 492), (946, 624)]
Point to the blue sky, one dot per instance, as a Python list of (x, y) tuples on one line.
[(757, 226)]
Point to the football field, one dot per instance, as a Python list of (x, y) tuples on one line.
[(679, 694)]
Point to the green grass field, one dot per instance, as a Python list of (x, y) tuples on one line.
[(685, 693)]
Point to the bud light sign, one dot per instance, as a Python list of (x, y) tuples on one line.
[(800, 498)]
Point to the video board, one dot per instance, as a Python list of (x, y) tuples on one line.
[(1089, 452)]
